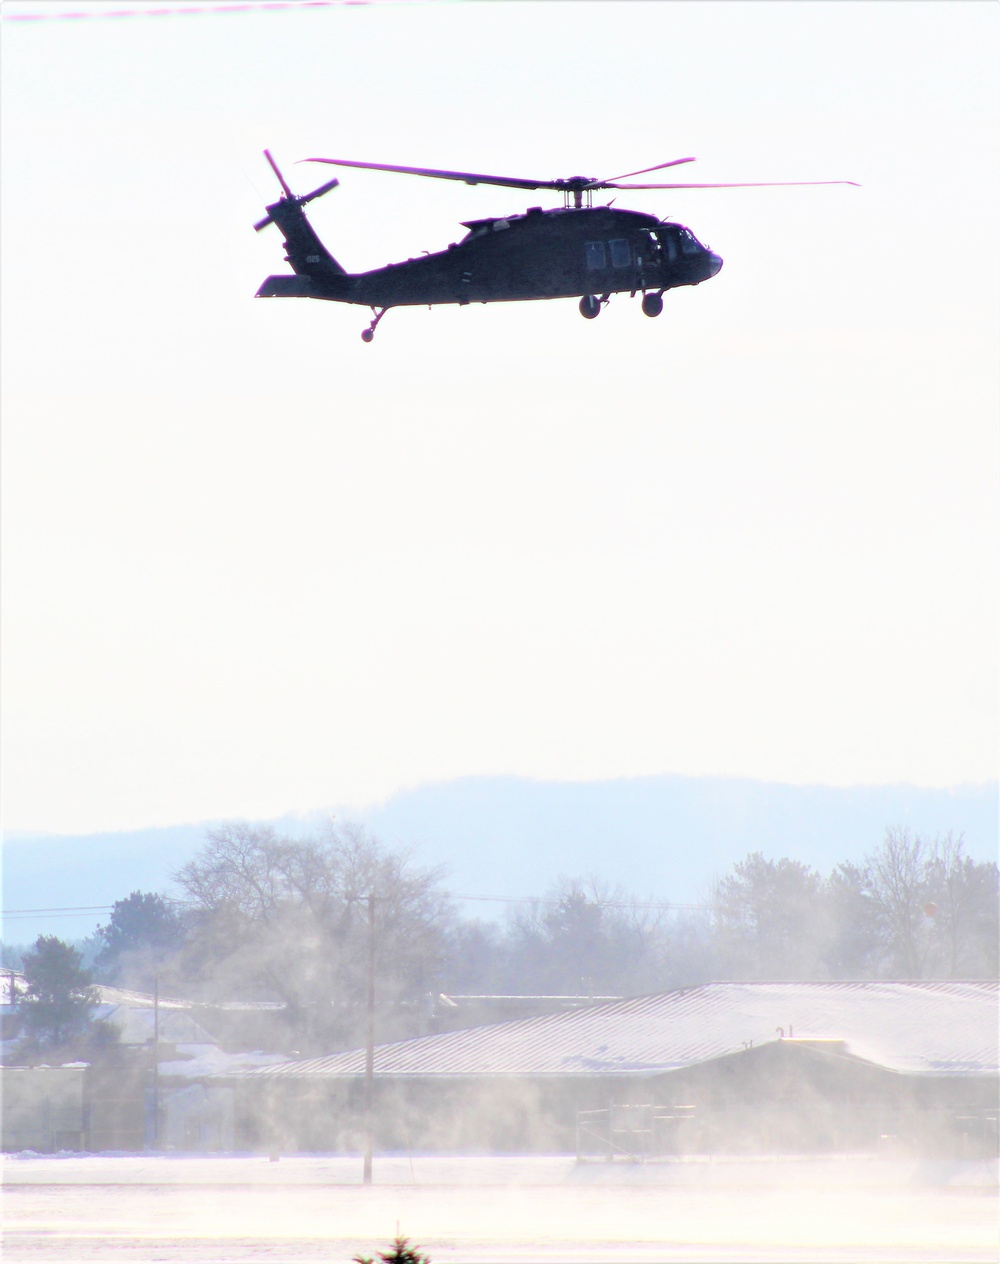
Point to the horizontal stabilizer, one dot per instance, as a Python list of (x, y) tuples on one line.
[(286, 287)]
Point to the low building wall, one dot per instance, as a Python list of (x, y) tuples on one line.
[(76, 1107), (780, 1098), (44, 1108)]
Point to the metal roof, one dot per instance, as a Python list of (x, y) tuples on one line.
[(138, 1024), (921, 1028)]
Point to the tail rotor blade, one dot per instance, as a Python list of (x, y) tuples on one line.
[(289, 196), (323, 188)]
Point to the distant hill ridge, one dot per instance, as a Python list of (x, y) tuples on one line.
[(667, 837)]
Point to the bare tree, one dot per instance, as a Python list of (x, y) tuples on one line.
[(913, 909), (962, 908), (277, 918), (895, 877)]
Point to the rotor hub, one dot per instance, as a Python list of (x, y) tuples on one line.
[(578, 188)]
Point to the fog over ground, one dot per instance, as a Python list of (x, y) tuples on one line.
[(192, 1210)]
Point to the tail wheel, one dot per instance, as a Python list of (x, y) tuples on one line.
[(368, 334)]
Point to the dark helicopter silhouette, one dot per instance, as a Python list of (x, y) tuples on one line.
[(577, 250)]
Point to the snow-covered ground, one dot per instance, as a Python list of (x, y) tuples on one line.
[(185, 1209)]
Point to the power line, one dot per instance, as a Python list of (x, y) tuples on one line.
[(644, 905), (74, 910), (27, 915), (558, 899), (71, 908)]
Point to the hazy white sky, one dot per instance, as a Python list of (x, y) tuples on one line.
[(253, 565)]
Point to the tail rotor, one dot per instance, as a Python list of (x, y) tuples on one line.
[(288, 195)]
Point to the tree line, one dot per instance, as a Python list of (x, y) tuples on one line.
[(269, 918)]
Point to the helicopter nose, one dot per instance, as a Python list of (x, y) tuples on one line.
[(714, 263)]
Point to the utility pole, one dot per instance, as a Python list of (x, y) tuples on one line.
[(156, 1061), (370, 1046)]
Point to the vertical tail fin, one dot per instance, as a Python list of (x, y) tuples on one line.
[(306, 253)]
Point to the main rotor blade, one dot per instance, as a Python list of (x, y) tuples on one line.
[(753, 184), (573, 183), (645, 171), (466, 177), (281, 179)]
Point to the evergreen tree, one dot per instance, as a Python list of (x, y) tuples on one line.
[(854, 946), (400, 1252), (587, 938), (57, 1007), (771, 920), (143, 933)]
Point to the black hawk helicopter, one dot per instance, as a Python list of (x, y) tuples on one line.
[(577, 250)]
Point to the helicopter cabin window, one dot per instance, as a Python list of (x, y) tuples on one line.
[(621, 253), (668, 244), (595, 254)]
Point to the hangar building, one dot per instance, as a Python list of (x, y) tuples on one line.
[(720, 1068)]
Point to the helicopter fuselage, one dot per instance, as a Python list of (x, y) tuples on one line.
[(564, 252)]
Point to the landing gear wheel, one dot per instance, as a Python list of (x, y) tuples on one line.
[(652, 304), (368, 334), (590, 306)]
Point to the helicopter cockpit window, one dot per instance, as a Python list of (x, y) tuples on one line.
[(595, 254), (667, 239), (621, 253), (689, 243)]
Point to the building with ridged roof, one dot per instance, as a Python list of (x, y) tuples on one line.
[(722, 1067)]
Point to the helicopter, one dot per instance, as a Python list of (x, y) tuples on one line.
[(577, 250)]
